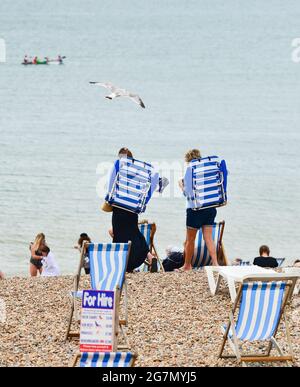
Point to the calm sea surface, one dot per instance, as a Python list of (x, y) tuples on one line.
[(215, 75)]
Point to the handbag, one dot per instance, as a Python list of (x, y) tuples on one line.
[(106, 207)]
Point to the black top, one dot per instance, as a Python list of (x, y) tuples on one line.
[(265, 262), (125, 228)]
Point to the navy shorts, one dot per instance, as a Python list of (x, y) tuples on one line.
[(198, 218)]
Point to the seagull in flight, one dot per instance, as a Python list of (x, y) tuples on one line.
[(117, 92)]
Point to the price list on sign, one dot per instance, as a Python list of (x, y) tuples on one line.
[(97, 321)]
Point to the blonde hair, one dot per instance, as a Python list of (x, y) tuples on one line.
[(192, 155), (39, 240)]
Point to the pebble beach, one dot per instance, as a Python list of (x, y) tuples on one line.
[(173, 321)]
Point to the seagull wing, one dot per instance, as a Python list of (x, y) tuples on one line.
[(135, 98), (106, 85)]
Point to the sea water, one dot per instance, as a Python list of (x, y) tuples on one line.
[(214, 75)]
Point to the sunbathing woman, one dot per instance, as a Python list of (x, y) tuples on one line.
[(125, 228), (195, 220), (36, 254)]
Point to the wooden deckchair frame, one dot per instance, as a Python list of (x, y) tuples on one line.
[(152, 247), (234, 342), (121, 322)]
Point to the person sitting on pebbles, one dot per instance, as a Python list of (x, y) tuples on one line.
[(1, 275), (264, 259), (50, 267)]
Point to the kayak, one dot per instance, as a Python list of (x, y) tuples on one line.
[(44, 62)]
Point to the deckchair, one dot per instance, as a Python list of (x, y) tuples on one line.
[(201, 256), (280, 261), (131, 185), (105, 359), (245, 263), (149, 230), (108, 264), (205, 183), (262, 302)]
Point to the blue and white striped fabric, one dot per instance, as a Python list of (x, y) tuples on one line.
[(280, 261), (132, 183), (201, 256), (205, 183), (259, 310), (106, 359), (245, 263), (145, 229), (107, 265)]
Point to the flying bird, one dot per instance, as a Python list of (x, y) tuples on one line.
[(117, 92)]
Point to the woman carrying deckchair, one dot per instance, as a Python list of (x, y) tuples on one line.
[(196, 220), (125, 228)]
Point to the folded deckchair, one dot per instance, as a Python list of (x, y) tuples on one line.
[(201, 256), (205, 183), (108, 264), (262, 302), (131, 184), (149, 230), (105, 359)]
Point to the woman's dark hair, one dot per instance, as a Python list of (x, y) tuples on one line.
[(126, 152), (264, 249), (83, 237)]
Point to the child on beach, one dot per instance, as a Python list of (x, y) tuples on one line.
[(50, 267), (1, 275)]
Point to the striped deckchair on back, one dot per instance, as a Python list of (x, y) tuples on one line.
[(107, 359), (259, 311), (108, 264), (201, 256), (205, 183), (132, 184)]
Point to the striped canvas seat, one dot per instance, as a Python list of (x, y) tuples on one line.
[(108, 263), (259, 310), (245, 263), (261, 302), (132, 184), (145, 229), (107, 359), (280, 261), (201, 257), (205, 183)]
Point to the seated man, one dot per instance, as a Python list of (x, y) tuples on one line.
[(50, 268), (264, 260)]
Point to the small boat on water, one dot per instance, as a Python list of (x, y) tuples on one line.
[(45, 61)]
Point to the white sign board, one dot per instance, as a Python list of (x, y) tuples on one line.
[(97, 321)]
